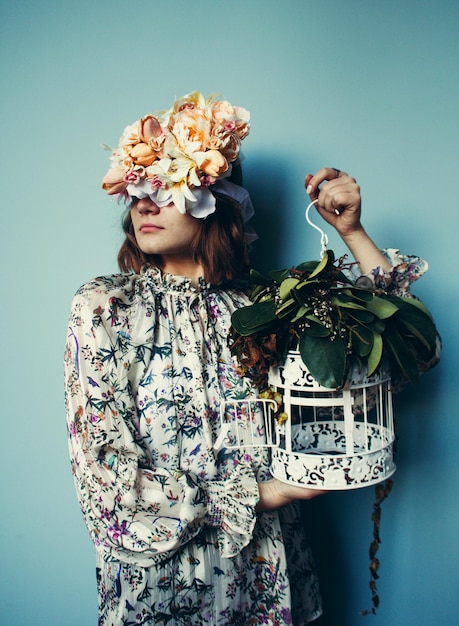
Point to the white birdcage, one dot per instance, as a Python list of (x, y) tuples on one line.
[(331, 439)]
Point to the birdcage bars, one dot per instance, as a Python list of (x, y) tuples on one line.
[(333, 438)]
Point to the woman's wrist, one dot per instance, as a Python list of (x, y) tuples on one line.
[(269, 497)]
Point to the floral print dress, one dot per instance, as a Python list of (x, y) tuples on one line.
[(173, 519)]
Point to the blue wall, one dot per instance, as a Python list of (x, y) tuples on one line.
[(367, 86)]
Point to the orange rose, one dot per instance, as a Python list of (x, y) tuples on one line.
[(213, 163), (143, 154)]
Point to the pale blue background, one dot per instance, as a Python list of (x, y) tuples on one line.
[(367, 86)]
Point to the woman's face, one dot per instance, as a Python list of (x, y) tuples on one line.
[(164, 232)]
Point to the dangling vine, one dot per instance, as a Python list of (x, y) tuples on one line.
[(381, 492)]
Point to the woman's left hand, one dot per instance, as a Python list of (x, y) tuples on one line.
[(339, 201)]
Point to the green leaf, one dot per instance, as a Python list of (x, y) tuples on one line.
[(374, 358), (279, 275), (315, 326), (412, 302), (417, 317), (359, 294), (376, 325), (251, 319), (325, 359), (344, 296), (402, 359), (309, 285), (327, 260), (362, 340), (361, 315), (305, 289), (416, 332), (286, 287), (259, 279), (282, 344), (307, 266), (302, 311), (258, 292), (286, 308), (345, 304), (381, 307)]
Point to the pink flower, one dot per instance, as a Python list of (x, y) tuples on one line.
[(157, 183), (132, 177)]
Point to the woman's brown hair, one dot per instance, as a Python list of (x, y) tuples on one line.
[(220, 245)]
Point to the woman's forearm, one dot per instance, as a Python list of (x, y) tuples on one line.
[(365, 251)]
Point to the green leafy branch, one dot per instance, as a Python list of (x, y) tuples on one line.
[(335, 323)]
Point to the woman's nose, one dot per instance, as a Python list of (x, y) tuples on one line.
[(146, 205)]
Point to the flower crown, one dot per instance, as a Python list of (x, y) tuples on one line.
[(177, 155)]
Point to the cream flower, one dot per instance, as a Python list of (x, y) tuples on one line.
[(191, 100), (191, 126), (130, 134)]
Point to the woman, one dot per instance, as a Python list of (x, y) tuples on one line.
[(185, 533)]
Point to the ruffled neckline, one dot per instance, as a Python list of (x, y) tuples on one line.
[(165, 282)]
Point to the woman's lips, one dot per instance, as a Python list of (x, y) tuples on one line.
[(150, 228)]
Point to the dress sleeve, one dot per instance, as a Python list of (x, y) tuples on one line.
[(134, 514), (404, 271), (232, 509)]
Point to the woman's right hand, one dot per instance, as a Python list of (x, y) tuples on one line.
[(274, 494)]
